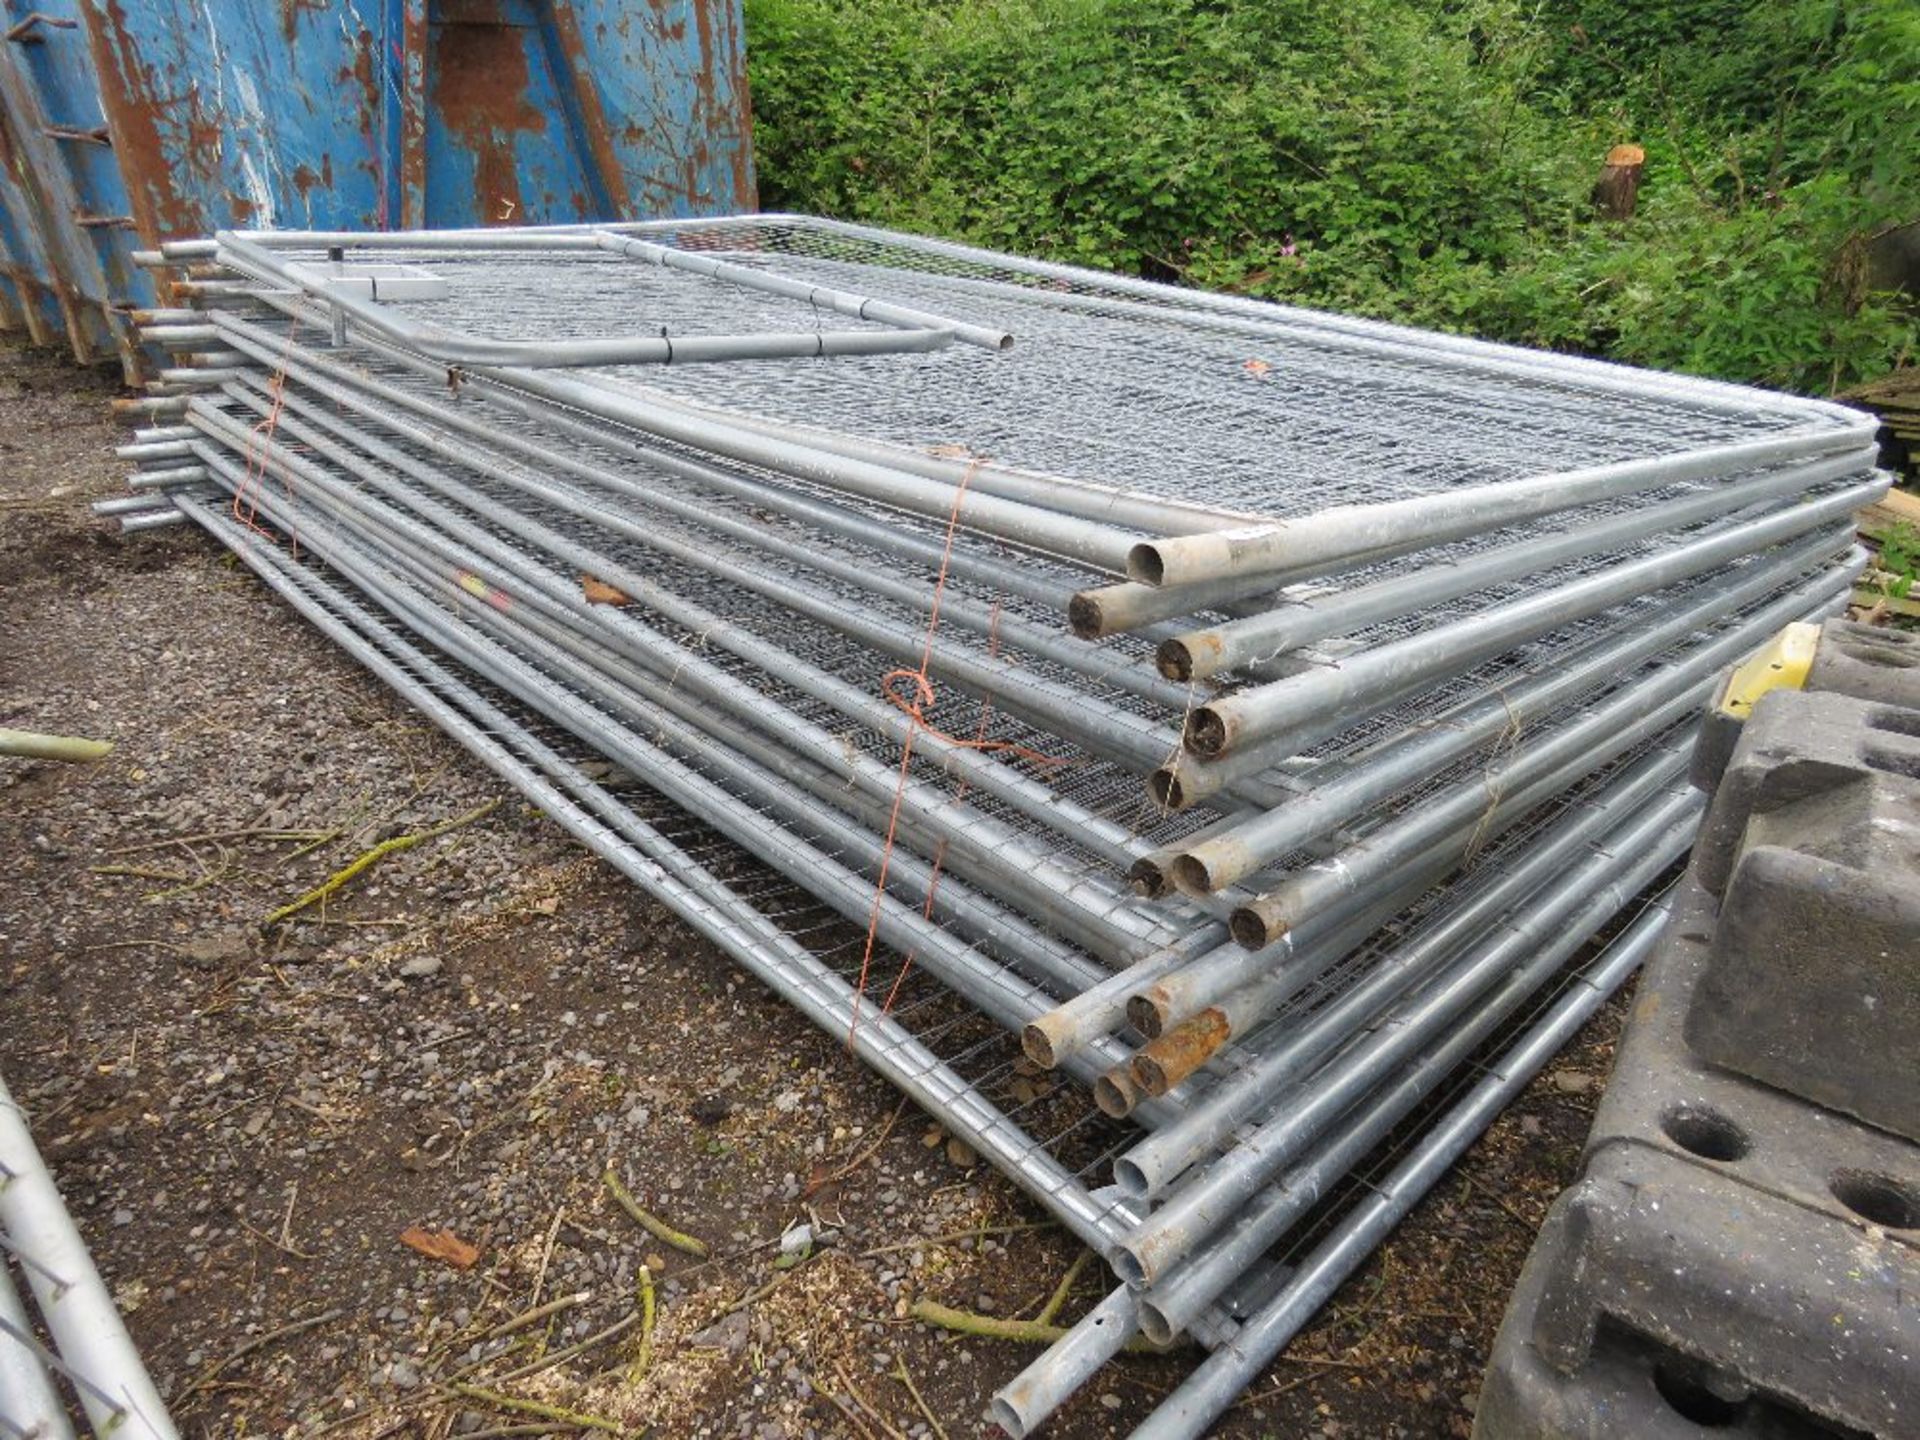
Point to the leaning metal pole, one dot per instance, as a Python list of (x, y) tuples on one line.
[(91, 1348)]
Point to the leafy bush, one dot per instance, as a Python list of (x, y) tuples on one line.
[(1423, 163)]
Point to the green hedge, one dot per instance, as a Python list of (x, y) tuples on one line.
[(1427, 163)]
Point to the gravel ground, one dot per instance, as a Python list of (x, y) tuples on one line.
[(471, 1033)]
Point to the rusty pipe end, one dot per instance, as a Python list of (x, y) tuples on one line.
[(1182, 1050), (1210, 731), (1194, 656), (1254, 928)]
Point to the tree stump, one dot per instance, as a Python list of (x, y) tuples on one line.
[(1618, 187)]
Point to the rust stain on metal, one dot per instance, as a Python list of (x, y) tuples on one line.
[(480, 91), (1164, 1063), (593, 116), (134, 110), (292, 10), (413, 117)]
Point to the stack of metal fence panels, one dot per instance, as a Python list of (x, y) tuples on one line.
[(1246, 714)]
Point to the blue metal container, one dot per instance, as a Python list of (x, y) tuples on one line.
[(127, 122)]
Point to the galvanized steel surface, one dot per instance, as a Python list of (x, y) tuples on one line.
[(838, 638)]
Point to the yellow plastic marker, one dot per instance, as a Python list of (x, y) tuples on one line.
[(1781, 664)]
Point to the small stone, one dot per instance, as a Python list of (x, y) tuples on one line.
[(421, 967), (1571, 1082), (1110, 1400), (797, 1241), (730, 1333)]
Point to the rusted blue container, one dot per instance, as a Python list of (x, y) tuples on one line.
[(127, 122)]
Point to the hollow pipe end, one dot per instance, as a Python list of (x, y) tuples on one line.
[(1148, 878), (1191, 874), (1167, 790), (1146, 564), (1143, 1013), (1008, 1418), (1209, 731), (1084, 615), (1155, 1325), (1124, 1261), (1254, 930), (1038, 1043), (1149, 1074), (1116, 1093), (1174, 659), (1183, 1049)]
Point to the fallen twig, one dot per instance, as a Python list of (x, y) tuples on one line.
[(29, 745), (559, 1357), (952, 1237), (298, 1327), (991, 1327), (1051, 1310), (535, 1407), (538, 1313), (901, 1373), (368, 858), (653, 1224), (643, 1358), (872, 1410)]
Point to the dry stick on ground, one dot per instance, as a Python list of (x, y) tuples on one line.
[(259, 832), (644, 1356), (1051, 1310), (29, 745), (534, 1407), (298, 1327), (372, 857), (990, 1327), (533, 1316), (873, 1411), (546, 1255), (651, 1223), (979, 1232), (905, 1377), (761, 1292), (860, 1426), (560, 1357)]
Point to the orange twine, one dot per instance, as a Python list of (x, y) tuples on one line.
[(916, 707), (263, 433)]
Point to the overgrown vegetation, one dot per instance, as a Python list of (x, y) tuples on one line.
[(1426, 163)]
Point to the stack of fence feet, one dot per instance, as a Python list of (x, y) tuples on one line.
[(1167, 735), (1743, 1250)]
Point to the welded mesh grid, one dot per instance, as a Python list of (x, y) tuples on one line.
[(1110, 791), (1142, 396), (1053, 1119)]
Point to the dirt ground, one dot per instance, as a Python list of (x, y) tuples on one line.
[(471, 1033)]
